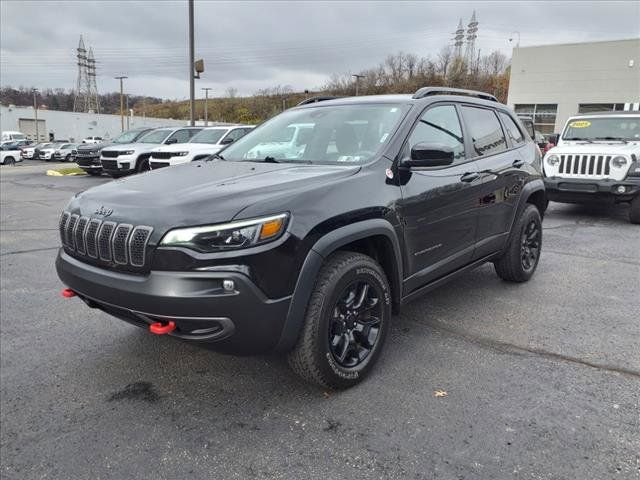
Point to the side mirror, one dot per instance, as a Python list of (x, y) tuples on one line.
[(171, 141), (429, 155), (226, 141)]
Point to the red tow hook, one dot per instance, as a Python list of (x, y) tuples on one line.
[(160, 328), (68, 293)]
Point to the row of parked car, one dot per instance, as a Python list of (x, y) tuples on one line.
[(145, 149)]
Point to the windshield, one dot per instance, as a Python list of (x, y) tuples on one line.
[(596, 128), (324, 134), (127, 137), (208, 136), (155, 136)]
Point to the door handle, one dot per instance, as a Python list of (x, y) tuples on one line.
[(517, 163), (469, 177)]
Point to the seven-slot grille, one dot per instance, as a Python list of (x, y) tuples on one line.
[(122, 243), (587, 166), (110, 153)]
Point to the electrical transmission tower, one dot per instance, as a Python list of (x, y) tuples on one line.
[(458, 40), (86, 94), (472, 34)]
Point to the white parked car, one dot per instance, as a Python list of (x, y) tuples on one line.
[(30, 151), (207, 142), (9, 156), (119, 160), (47, 150), (290, 144), (92, 140), (597, 160), (65, 152)]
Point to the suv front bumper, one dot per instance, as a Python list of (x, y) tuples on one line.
[(239, 321), (89, 163), (573, 190)]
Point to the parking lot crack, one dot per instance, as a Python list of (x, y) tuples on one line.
[(16, 252), (510, 348)]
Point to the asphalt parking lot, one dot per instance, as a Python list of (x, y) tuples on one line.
[(542, 380)]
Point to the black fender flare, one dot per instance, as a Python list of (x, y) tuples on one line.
[(528, 189), (326, 245)]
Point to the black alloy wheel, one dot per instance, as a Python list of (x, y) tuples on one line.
[(355, 324), (530, 245)]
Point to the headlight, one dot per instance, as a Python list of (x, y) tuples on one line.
[(128, 152), (553, 160), (619, 161), (180, 154), (228, 236)]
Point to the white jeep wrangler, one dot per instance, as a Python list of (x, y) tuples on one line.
[(597, 159)]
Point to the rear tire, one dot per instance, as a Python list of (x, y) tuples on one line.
[(346, 322), (634, 210), (522, 254)]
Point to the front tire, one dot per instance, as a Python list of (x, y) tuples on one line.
[(522, 254), (634, 210), (346, 322), (10, 161), (143, 165)]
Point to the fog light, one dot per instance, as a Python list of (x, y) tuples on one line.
[(621, 189), (228, 285)]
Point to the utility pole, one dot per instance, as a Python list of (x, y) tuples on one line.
[(358, 77), (192, 93), (121, 102), (128, 111), (206, 102), (35, 111)]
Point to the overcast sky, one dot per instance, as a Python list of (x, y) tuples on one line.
[(253, 45)]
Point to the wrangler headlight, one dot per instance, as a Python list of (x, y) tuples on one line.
[(553, 160), (619, 161), (228, 236)]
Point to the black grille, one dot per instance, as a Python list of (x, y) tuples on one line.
[(119, 244), (104, 241), (156, 165), (122, 244), (91, 237), (79, 235), (110, 153), (162, 155), (138, 244), (109, 164), (69, 232)]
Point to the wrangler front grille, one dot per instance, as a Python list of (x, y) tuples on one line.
[(122, 244), (585, 166)]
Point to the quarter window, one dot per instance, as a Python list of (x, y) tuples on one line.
[(485, 130), (513, 132), (439, 125)]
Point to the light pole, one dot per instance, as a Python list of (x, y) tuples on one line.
[(192, 93), (121, 102), (511, 38), (35, 111), (358, 77), (206, 102), (128, 111)]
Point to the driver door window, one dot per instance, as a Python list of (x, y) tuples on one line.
[(439, 125), (181, 136)]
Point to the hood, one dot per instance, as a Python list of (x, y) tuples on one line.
[(136, 147), (201, 193), (188, 147), (93, 147), (599, 147)]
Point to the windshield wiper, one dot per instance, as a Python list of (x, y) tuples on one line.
[(215, 156), (578, 139), (619, 139), (270, 160)]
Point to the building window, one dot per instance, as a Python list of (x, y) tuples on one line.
[(600, 107), (542, 114)]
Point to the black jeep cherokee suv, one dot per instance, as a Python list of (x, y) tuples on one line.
[(88, 155), (304, 235)]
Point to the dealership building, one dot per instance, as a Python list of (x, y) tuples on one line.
[(552, 82)]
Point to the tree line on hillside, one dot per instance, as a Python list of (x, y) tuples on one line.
[(398, 73), (61, 99)]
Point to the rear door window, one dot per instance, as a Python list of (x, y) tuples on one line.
[(485, 130), (513, 132)]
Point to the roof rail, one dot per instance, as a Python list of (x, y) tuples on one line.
[(317, 99), (427, 91)]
